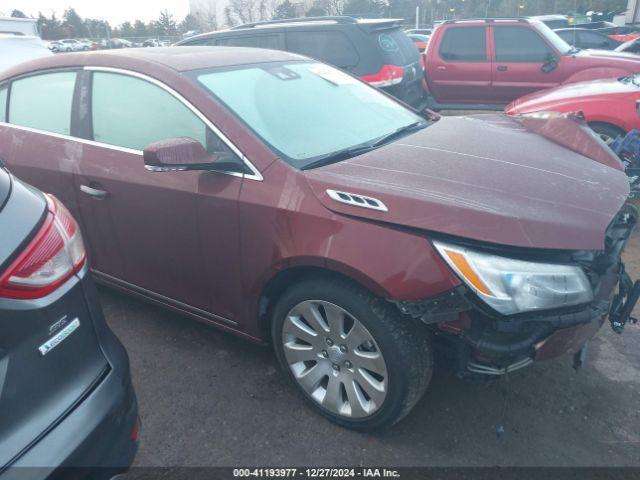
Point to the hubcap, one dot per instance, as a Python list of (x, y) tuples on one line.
[(335, 359)]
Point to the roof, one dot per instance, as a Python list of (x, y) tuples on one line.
[(176, 58), (303, 22)]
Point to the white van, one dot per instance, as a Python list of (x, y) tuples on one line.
[(20, 48), (19, 26)]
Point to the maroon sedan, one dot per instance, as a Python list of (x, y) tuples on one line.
[(285, 201)]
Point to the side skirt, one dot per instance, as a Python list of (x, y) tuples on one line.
[(171, 304)]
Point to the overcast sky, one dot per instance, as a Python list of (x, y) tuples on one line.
[(114, 11)]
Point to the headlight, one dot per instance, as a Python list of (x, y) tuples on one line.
[(513, 286)]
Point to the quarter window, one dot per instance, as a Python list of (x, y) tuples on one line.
[(519, 44), (133, 113), (328, 46), (43, 102), (464, 44)]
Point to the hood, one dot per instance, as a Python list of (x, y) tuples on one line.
[(610, 55), (486, 178), (569, 93)]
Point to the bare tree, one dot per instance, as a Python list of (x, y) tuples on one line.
[(248, 11)]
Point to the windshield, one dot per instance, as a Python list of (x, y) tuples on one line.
[(558, 43), (307, 110)]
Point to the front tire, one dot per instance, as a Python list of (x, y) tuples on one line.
[(352, 355)]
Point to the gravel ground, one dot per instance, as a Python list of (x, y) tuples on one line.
[(210, 399)]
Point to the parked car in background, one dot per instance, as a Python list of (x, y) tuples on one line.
[(420, 41), (119, 43), (73, 45), (56, 46), (585, 38), (632, 46), (65, 383), (253, 190), (20, 48), (610, 106), (376, 50), (152, 42), (488, 63)]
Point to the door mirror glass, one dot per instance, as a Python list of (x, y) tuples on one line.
[(177, 154)]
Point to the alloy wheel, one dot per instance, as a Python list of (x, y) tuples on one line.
[(334, 359)]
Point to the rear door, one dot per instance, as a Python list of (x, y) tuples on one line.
[(40, 114), (460, 70), (519, 53)]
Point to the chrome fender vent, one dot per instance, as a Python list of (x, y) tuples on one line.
[(357, 200)]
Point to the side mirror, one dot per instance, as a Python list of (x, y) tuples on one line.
[(550, 64), (177, 154)]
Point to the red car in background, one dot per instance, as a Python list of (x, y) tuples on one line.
[(610, 106), (485, 64)]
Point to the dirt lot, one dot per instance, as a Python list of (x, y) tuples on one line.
[(207, 398)]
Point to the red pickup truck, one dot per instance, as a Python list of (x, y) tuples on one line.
[(485, 64)]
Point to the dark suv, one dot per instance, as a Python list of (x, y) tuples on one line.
[(376, 50)]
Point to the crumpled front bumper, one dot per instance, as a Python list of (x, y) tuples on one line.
[(488, 343)]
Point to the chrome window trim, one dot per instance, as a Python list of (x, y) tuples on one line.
[(70, 137), (255, 175)]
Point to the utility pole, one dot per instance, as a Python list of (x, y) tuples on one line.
[(417, 17)]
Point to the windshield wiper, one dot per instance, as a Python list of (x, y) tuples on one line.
[(337, 156), (400, 132), (360, 149)]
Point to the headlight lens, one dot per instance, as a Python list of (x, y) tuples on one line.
[(514, 286)]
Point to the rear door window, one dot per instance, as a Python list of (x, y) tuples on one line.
[(330, 46), (273, 42), (43, 102), (519, 44), (464, 44)]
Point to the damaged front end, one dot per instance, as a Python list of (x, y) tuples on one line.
[(488, 341)]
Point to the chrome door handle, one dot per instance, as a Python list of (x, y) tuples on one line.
[(94, 192)]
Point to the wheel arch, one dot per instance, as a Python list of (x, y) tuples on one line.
[(279, 281), (596, 122)]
